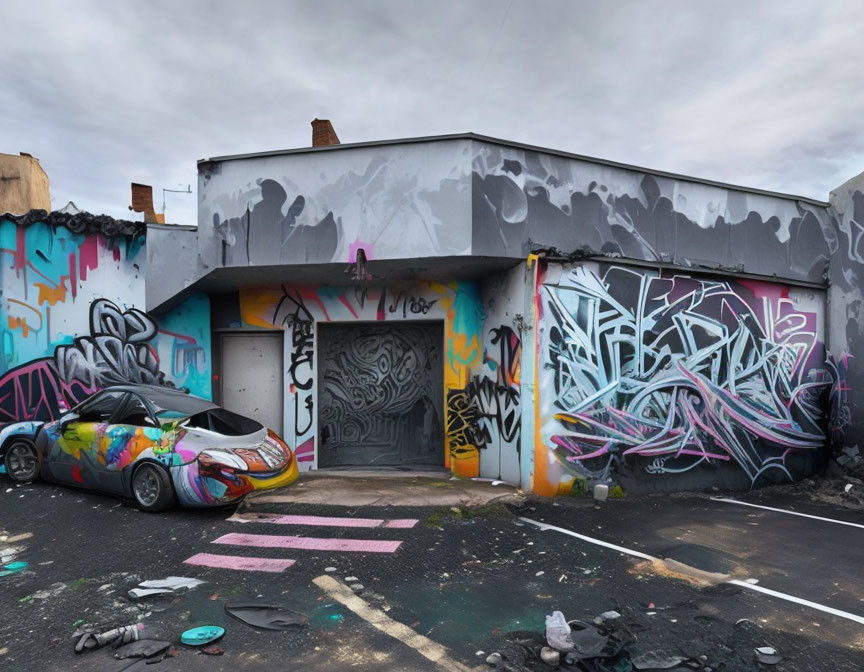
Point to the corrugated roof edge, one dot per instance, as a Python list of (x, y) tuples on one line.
[(518, 145)]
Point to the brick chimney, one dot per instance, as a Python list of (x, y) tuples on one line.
[(323, 133), (142, 201)]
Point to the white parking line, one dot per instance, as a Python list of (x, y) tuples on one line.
[(591, 540), (735, 582), (791, 513), (378, 619), (798, 600)]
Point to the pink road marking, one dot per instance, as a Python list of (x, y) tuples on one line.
[(322, 521), (401, 523), (238, 562), (309, 543)]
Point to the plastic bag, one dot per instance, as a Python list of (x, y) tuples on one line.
[(558, 632)]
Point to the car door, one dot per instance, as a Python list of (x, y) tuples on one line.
[(76, 454), (131, 433)]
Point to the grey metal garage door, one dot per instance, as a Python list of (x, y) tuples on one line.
[(380, 391)]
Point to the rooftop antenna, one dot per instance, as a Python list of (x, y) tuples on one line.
[(187, 190)]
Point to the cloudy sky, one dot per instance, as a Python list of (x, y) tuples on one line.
[(766, 94)]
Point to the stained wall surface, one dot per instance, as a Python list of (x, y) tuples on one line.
[(71, 322)]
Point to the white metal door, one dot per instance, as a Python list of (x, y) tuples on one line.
[(252, 375)]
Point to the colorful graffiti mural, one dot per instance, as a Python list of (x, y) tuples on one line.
[(64, 279), (300, 308), (48, 272), (487, 410), (120, 348), (666, 372)]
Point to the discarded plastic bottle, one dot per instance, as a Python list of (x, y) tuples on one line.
[(558, 632)]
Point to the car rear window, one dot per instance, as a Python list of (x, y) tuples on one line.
[(225, 422)]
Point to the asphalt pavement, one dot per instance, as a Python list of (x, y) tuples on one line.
[(468, 580)]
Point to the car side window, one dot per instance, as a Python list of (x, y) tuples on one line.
[(100, 408), (135, 413)]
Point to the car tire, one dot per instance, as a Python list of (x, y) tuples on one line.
[(22, 461), (151, 488)]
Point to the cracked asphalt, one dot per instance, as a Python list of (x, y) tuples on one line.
[(466, 579)]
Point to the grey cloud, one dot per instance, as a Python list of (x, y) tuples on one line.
[(766, 94)]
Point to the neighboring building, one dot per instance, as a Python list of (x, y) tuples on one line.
[(518, 313), (23, 185)]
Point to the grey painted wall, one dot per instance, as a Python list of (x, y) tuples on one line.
[(465, 196), (171, 261), (525, 200), (846, 319), (395, 202)]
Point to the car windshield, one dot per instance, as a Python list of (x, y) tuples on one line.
[(171, 403)]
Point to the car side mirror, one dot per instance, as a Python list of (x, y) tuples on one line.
[(66, 420)]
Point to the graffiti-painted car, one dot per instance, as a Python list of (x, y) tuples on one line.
[(153, 444)]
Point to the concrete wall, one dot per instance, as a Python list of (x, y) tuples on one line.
[(394, 202), (846, 324), (172, 253), (494, 393), (23, 185), (71, 322), (525, 200)]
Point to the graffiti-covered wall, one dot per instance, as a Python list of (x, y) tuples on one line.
[(299, 309), (71, 291), (663, 380), (732, 314)]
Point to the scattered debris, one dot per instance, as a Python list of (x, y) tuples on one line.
[(205, 634), (13, 568), (266, 615), (494, 659), (601, 492), (89, 638), (656, 661), (767, 655), (138, 593), (142, 648), (329, 569), (351, 579), (213, 650), (550, 656), (173, 583), (558, 632), (357, 587)]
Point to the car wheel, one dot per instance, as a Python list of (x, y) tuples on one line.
[(152, 489), (22, 462)]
